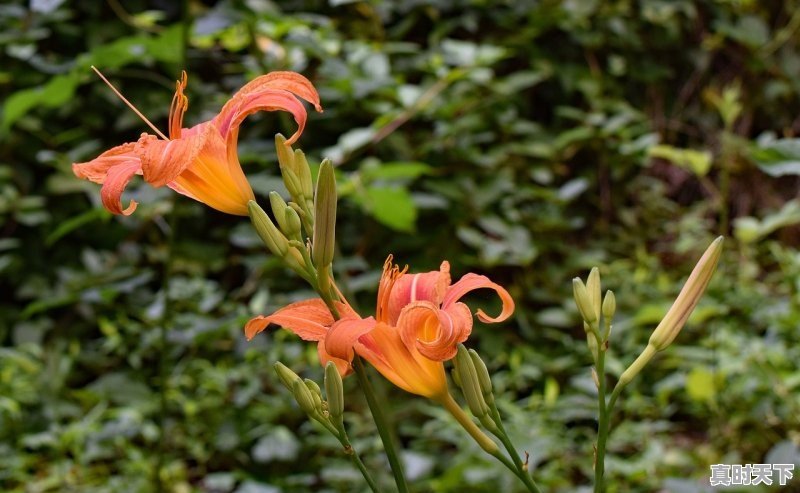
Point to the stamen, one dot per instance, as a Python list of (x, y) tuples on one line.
[(138, 113)]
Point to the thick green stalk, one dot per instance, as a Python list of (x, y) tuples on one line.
[(382, 424), (602, 422)]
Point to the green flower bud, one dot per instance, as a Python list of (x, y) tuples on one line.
[(293, 224), (583, 301), (484, 379), (316, 392), (609, 306), (287, 376), (593, 288), (270, 235), (279, 210), (304, 175), (334, 391), (687, 299), (324, 239), (304, 397), (470, 386)]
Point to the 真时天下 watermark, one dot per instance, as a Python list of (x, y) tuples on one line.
[(750, 474)]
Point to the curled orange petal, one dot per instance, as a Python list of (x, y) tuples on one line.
[(114, 169), (288, 81), (409, 288), (343, 335), (471, 282), (342, 366), (309, 319)]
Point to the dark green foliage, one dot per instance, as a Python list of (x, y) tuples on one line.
[(513, 138)]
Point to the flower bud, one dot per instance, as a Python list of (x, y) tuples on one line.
[(274, 239), (583, 301), (285, 154), (304, 397), (609, 306), (687, 299), (593, 288), (334, 391), (470, 386), (287, 376), (304, 176), (279, 210), (324, 217), (484, 379), (293, 225), (316, 392)]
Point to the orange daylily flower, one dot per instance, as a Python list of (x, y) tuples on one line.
[(200, 162), (418, 324)]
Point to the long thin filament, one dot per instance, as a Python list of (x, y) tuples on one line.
[(131, 106)]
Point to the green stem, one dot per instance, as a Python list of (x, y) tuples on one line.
[(356, 459), (524, 474), (602, 424), (469, 426), (382, 424), (487, 444)]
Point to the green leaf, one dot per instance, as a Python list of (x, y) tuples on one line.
[(393, 207), (700, 384), (778, 157), (698, 162)]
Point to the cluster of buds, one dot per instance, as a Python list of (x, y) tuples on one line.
[(472, 377), (330, 411), (587, 299), (305, 234)]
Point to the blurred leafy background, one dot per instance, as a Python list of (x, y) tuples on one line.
[(526, 140)]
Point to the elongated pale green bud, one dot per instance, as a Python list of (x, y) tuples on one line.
[(334, 391), (304, 397), (316, 393), (687, 299), (583, 300), (609, 306), (484, 379), (593, 288), (324, 239), (269, 234), (287, 376), (285, 154), (676, 317), (293, 224), (456, 377), (279, 210), (470, 386), (304, 175)]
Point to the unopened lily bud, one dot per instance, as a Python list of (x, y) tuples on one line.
[(593, 288), (583, 301), (324, 239), (484, 379), (279, 206), (269, 234), (292, 220), (469, 383), (304, 175), (334, 391), (456, 377), (687, 299), (609, 306), (287, 376), (285, 154), (304, 397), (316, 392)]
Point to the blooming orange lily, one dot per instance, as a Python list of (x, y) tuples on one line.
[(418, 324), (200, 162)]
